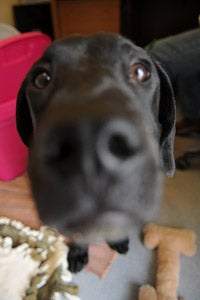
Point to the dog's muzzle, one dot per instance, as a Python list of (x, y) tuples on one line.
[(90, 155)]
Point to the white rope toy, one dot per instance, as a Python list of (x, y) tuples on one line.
[(33, 264)]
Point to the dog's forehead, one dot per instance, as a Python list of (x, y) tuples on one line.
[(100, 47)]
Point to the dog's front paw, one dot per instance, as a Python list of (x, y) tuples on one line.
[(77, 258), (121, 246)]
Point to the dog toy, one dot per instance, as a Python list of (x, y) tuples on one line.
[(170, 243), (33, 264)]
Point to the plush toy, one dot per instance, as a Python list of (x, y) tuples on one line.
[(33, 264), (170, 244)]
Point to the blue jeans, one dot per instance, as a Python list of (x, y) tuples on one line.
[(180, 57)]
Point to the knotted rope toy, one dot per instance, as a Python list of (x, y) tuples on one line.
[(33, 264), (170, 243)]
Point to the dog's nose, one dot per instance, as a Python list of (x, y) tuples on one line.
[(114, 144), (117, 144)]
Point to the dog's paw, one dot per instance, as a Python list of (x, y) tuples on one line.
[(121, 246), (77, 258)]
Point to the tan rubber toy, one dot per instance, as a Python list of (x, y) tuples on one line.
[(170, 244)]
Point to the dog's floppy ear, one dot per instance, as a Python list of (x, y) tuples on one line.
[(23, 116), (167, 116)]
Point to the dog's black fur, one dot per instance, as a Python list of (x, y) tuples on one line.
[(98, 115)]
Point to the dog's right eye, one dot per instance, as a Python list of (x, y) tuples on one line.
[(42, 79), (140, 72)]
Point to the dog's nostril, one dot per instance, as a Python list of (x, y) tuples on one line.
[(56, 153), (117, 144), (120, 146), (61, 150)]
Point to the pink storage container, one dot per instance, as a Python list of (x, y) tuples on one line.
[(17, 54)]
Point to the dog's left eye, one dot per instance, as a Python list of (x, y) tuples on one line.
[(42, 80), (139, 72)]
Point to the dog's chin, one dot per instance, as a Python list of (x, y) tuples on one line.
[(107, 227)]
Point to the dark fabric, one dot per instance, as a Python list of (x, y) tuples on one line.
[(180, 57)]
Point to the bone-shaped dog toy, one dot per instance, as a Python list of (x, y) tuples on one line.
[(170, 244)]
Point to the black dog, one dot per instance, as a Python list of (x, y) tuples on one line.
[(98, 115)]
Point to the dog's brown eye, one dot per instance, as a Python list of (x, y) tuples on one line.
[(42, 80), (139, 72)]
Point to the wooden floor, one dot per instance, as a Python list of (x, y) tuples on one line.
[(16, 201)]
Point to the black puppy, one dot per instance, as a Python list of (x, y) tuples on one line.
[(98, 115)]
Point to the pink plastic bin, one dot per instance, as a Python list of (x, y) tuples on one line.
[(17, 54)]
